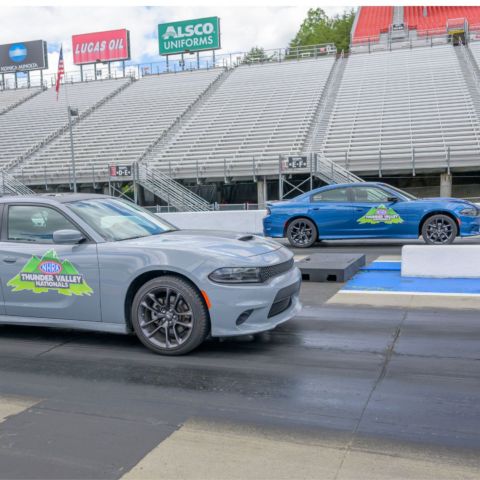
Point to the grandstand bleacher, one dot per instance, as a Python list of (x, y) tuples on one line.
[(41, 117), (392, 106), (121, 130), (433, 19), (259, 111), (371, 22), (11, 98), (394, 110)]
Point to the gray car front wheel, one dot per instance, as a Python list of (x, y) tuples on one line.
[(169, 316), (302, 233)]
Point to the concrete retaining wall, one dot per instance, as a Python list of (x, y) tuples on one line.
[(248, 221), (441, 261)]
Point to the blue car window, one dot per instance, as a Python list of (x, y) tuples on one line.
[(27, 223), (332, 195), (370, 195)]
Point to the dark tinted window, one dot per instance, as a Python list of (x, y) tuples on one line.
[(27, 223), (370, 195), (333, 195)]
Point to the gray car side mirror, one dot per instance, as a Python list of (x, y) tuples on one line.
[(67, 236)]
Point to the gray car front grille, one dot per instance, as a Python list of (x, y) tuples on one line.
[(274, 270)]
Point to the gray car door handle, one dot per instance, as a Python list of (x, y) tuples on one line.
[(9, 259)]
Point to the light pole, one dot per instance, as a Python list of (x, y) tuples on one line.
[(72, 112)]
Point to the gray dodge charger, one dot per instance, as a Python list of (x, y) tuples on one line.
[(100, 263)]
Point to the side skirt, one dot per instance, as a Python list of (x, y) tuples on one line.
[(59, 323)]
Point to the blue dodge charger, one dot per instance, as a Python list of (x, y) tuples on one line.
[(369, 210)]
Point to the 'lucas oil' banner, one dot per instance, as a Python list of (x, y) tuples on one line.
[(110, 46)]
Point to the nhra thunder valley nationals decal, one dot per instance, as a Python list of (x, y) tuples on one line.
[(381, 214), (39, 275)]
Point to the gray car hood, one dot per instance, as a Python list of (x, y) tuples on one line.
[(212, 242)]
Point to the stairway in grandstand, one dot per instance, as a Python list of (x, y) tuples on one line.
[(256, 114), (11, 186), (169, 134), (123, 129), (403, 110), (171, 192), (471, 74)]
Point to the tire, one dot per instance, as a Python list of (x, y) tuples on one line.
[(439, 230), (160, 318), (302, 233)]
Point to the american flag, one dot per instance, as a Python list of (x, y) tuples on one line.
[(61, 71)]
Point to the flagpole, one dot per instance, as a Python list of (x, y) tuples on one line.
[(72, 147)]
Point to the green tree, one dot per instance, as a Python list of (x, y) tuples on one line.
[(318, 28), (256, 55)]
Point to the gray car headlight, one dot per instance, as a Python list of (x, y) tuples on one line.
[(236, 275), (469, 212)]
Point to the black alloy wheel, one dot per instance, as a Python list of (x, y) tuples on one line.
[(169, 316), (302, 233), (439, 230)]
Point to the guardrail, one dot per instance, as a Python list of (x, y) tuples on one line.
[(171, 64)]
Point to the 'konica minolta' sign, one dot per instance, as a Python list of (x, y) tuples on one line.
[(23, 56)]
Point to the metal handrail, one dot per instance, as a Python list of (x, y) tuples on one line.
[(9, 185), (169, 190), (204, 62)]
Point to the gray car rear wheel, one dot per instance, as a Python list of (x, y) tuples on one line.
[(169, 316), (439, 230), (302, 233)]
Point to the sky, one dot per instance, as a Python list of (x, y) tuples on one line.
[(241, 27)]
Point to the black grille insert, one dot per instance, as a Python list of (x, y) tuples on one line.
[(274, 270)]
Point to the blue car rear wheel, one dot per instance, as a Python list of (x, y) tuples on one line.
[(302, 233)]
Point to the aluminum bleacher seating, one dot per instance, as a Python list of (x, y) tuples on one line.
[(394, 106), (255, 114), (121, 130), (41, 116), (9, 98)]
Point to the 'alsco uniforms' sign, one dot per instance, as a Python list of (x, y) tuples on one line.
[(189, 36)]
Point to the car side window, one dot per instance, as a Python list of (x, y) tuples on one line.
[(332, 195), (28, 223), (370, 195)]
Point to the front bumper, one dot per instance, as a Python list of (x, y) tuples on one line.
[(263, 306), (469, 226)]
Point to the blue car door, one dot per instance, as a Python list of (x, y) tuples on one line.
[(332, 212), (379, 213), (42, 279)]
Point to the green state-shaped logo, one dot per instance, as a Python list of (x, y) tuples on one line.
[(40, 275), (381, 214)]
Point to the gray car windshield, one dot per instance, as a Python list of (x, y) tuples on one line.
[(117, 220)]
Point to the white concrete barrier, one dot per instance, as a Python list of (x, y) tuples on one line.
[(248, 221), (441, 261)]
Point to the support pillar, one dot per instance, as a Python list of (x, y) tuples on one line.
[(261, 192), (445, 185)]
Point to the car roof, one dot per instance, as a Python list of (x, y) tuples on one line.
[(52, 198), (342, 185)]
